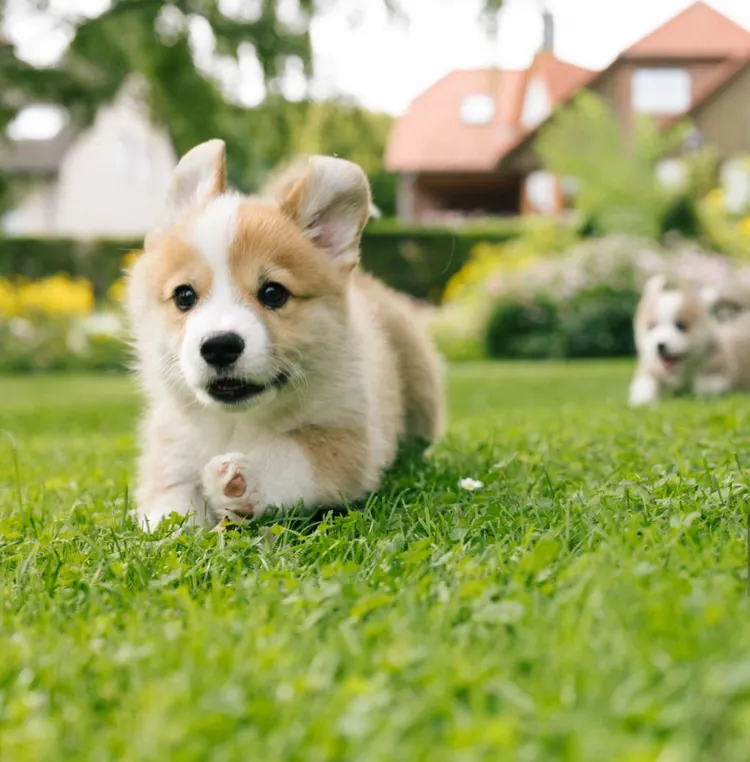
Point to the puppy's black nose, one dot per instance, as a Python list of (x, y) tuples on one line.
[(661, 348), (222, 350)]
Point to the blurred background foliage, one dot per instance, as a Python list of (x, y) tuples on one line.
[(153, 38), (533, 287)]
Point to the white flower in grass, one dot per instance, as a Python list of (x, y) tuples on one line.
[(470, 484)]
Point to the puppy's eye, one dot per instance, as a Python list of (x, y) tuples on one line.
[(273, 295), (681, 326), (185, 298)]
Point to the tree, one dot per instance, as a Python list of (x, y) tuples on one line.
[(152, 38), (614, 173)]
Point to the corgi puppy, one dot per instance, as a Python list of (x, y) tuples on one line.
[(683, 348), (277, 373)]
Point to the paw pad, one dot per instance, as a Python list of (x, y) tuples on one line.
[(236, 486)]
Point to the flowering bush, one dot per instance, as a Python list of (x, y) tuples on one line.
[(576, 304), (54, 324), (725, 232)]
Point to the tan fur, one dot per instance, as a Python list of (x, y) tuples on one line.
[(731, 356), (363, 374), (340, 457), (418, 366)]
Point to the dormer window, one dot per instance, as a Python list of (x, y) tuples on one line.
[(478, 108), (536, 104), (661, 92)]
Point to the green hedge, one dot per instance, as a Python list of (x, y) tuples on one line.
[(417, 260), (98, 261), (421, 260), (594, 323)]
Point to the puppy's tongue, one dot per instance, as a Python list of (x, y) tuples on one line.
[(669, 363)]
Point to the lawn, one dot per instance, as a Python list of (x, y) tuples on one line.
[(589, 603)]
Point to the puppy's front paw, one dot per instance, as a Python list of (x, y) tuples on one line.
[(231, 489), (643, 391)]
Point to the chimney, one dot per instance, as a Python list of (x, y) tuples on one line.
[(549, 32)]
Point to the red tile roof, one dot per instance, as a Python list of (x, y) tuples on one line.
[(698, 32), (431, 137), (562, 78)]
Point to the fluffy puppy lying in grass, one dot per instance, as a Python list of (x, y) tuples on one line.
[(683, 347), (277, 373)]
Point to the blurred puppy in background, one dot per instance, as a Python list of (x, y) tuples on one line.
[(690, 339)]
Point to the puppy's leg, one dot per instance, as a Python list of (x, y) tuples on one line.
[(167, 484), (312, 467), (156, 502), (644, 390), (711, 385)]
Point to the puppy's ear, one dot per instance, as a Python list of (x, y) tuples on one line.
[(654, 285), (710, 296), (282, 179), (200, 175), (330, 202)]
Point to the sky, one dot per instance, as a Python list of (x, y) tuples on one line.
[(383, 63)]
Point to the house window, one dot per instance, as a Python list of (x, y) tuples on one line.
[(478, 108), (661, 92), (536, 105), (541, 192)]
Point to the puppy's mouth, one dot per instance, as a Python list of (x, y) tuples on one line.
[(233, 391), (670, 362)]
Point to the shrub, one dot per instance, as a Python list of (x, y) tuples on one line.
[(458, 332), (99, 262), (415, 259), (41, 343), (598, 322), (527, 330), (52, 324), (420, 260), (580, 304)]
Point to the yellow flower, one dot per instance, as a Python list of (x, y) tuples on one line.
[(744, 226), (58, 295), (715, 197), (486, 260), (130, 258), (116, 292), (8, 298)]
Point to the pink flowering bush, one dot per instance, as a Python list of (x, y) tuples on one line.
[(579, 303)]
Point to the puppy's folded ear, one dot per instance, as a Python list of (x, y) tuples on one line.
[(654, 285), (200, 175), (330, 202)]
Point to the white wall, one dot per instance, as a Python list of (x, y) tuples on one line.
[(112, 180)]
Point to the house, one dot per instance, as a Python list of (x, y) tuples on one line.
[(466, 146), (107, 181)]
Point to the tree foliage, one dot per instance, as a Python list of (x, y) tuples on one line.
[(614, 169), (152, 38)]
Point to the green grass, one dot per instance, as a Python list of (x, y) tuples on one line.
[(588, 604)]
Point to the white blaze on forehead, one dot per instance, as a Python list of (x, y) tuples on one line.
[(211, 234), (668, 306)]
